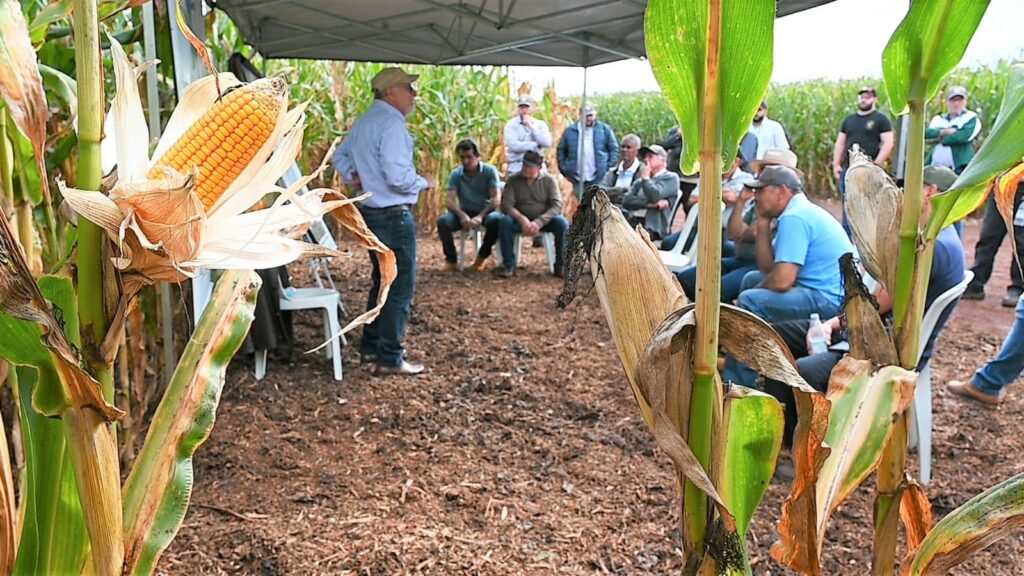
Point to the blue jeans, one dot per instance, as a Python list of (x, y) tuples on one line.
[(794, 304), (1002, 370), (448, 225), (733, 271), (509, 227), (383, 337)]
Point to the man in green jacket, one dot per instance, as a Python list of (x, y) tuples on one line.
[(953, 133)]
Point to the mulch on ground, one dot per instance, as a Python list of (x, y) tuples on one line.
[(520, 451)]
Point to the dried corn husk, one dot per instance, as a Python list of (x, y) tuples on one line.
[(874, 208)]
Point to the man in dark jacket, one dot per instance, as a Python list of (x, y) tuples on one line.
[(600, 151)]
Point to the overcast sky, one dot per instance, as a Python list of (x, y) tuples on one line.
[(843, 39)]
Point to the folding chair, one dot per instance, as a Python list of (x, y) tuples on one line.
[(921, 411), (327, 299)]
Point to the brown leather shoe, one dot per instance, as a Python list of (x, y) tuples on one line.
[(450, 267), (480, 264), (504, 272), (968, 390), (404, 369)]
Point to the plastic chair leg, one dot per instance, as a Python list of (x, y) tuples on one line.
[(549, 248), (328, 315), (922, 414), (261, 364), (333, 326)]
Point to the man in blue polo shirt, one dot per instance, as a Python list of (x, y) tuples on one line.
[(801, 265), (473, 200)]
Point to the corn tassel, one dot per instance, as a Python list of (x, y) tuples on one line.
[(226, 138)]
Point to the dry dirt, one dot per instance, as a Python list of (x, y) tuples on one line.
[(520, 451)]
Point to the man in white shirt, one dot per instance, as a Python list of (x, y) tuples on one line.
[(770, 134), (523, 134), (619, 179)]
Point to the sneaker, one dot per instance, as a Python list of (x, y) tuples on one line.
[(1012, 296), (966, 389), (480, 264), (451, 267), (503, 272), (974, 293)]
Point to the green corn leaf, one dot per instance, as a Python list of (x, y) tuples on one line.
[(677, 36), (53, 12), (63, 86), (54, 539), (984, 519), (753, 422), (157, 491), (1003, 148), (928, 43)]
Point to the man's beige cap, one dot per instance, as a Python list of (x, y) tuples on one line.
[(774, 157), (392, 76)]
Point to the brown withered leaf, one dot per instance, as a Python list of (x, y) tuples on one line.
[(868, 337), (874, 208), (21, 86), (915, 513)]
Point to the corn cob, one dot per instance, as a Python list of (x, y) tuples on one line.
[(224, 140)]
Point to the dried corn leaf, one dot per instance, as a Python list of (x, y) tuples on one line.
[(915, 513), (874, 208), (21, 86), (983, 520), (868, 337), (1006, 190), (8, 507)]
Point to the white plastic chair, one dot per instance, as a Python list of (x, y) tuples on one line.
[(675, 259), (921, 411), (672, 215), (549, 249), (478, 240), (311, 299), (320, 234)]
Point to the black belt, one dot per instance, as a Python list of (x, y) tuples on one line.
[(387, 209)]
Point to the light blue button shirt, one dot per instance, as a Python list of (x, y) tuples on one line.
[(379, 149)]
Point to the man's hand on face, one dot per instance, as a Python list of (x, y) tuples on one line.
[(746, 194), (728, 196), (527, 120), (644, 170)]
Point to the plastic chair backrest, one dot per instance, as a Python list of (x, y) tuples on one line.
[(691, 221), (931, 315)]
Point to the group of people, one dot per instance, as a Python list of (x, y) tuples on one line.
[(780, 253)]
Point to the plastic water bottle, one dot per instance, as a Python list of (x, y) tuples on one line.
[(816, 334), (290, 292)]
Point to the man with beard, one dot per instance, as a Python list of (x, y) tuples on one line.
[(869, 129), (770, 133)]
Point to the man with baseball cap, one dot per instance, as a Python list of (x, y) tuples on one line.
[(868, 128), (377, 156), (953, 133), (801, 264), (600, 150), (651, 197), (524, 133), (530, 204)]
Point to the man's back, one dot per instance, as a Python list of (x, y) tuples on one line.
[(807, 235)]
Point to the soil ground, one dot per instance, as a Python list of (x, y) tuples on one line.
[(520, 451)]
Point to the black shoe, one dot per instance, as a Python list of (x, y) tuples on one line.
[(974, 293), (404, 369), (503, 272), (558, 273), (1012, 296)]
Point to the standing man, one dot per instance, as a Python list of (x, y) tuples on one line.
[(600, 151), (770, 134), (524, 133), (376, 157), (953, 133), (473, 199), (869, 129), (531, 204), (993, 230)]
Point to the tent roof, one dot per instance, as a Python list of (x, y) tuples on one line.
[(497, 32)]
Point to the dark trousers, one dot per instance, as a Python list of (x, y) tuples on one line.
[(508, 229), (448, 225), (993, 230), (383, 337)]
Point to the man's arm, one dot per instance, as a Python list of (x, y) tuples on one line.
[(963, 135), (659, 188), (885, 149), (554, 202), (342, 161), (452, 202), (612, 146), (563, 154), (541, 134), (736, 228), (780, 137), (512, 140), (763, 243), (781, 277), (837, 154), (396, 162)]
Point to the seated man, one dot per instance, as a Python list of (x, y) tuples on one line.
[(473, 199), (801, 265), (947, 271), (620, 178), (733, 182), (652, 196), (741, 230), (531, 204)]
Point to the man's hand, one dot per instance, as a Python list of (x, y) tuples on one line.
[(946, 131), (826, 331), (837, 171), (355, 183), (728, 196), (660, 204), (527, 120), (530, 228), (431, 183), (644, 170), (473, 223), (746, 194), (464, 220)]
